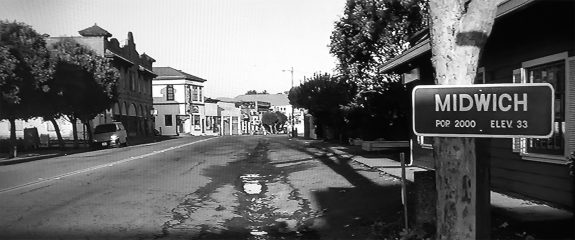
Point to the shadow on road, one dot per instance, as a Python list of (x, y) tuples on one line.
[(350, 213), (340, 212)]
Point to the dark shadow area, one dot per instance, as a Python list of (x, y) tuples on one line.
[(354, 213), (505, 228), (342, 212)]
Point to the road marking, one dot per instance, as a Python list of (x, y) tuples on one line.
[(59, 177)]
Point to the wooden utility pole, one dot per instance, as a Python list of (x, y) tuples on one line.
[(459, 30)]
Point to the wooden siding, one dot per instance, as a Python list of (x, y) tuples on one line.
[(543, 29)]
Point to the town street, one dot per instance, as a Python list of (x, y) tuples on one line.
[(232, 187)]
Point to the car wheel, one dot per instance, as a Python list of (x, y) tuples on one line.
[(125, 143)]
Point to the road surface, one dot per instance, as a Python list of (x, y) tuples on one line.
[(233, 187)]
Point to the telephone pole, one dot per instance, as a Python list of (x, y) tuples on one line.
[(292, 107)]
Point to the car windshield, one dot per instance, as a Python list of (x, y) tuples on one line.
[(105, 128)]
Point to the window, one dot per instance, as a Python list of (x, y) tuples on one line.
[(132, 80), (200, 94), (169, 92), (196, 122), (195, 93), (168, 120), (553, 73), (550, 69), (209, 123)]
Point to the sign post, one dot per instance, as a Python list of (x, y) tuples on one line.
[(486, 110), (480, 111)]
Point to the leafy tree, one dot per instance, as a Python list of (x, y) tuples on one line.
[(324, 96), (269, 119), (377, 114), (282, 119), (370, 33), (83, 85), (455, 55), (254, 92), (25, 68)]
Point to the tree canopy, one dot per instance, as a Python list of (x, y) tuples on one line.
[(254, 92), (84, 83), (25, 68), (370, 33), (324, 96)]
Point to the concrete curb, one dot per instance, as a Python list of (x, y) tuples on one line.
[(29, 159)]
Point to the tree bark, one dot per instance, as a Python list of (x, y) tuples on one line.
[(73, 120), (459, 30), (58, 133), (13, 140), (89, 131)]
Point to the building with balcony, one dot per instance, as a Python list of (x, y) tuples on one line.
[(179, 102)]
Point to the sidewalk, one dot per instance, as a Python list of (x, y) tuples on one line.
[(51, 152), (528, 215)]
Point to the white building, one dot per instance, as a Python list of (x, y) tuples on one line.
[(178, 102), (229, 115), (279, 102)]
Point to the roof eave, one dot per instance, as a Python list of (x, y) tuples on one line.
[(424, 46)]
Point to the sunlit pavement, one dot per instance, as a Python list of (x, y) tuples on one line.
[(239, 187)]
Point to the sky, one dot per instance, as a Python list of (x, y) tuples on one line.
[(236, 45)]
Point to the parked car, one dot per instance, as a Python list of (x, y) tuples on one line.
[(110, 135)]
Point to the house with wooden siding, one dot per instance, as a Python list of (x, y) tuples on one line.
[(532, 41)]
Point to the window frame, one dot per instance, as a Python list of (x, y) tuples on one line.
[(171, 120), (170, 92), (195, 93), (522, 144)]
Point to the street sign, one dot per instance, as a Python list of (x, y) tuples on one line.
[(484, 110)]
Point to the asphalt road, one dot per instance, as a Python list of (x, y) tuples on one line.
[(234, 187)]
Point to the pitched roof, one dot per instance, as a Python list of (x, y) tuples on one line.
[(165, 73), (94, 31), (279, 99), (227, 99)]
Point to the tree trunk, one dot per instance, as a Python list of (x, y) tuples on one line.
[(58, 133), (75, 131), (89, 131), (459, 30), (13, 140)]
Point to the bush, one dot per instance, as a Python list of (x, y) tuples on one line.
[(5, 145)]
